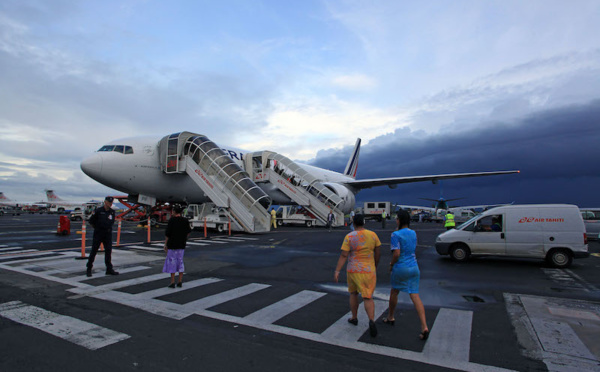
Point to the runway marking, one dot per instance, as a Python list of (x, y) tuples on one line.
[(214, 300), (77, 331), (450, 335), (278, 310)]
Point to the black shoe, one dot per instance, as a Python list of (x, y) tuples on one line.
[(172, 285), (112, 272), (372, 328), (179, 284), (353, 321), (88, 272)]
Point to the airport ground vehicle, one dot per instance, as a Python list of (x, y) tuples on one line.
[(554, 232), (85, 212), (296, 215), (591, 219), (373, 210), (209, 214)]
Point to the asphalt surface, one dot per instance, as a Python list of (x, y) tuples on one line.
[(268, 302)]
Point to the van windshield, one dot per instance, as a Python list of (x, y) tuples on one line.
[(461, 226)]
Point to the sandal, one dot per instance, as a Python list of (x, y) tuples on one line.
[(390, 322), (424, 335)]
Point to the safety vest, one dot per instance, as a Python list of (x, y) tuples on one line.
[(383, 214), (449, 220)]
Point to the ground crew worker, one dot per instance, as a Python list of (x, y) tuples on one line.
[(102, 221), (383, 217), (449, 218), (274, 218)]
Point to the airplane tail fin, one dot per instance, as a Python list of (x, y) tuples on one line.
[(352, 165), (2, 197), (52, 196)]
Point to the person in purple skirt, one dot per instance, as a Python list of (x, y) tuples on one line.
[(176, 236)]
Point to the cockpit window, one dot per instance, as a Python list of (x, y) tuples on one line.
[(117, 148)]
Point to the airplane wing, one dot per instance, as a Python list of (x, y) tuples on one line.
[(429, 209), (391, 182), (483, 206)]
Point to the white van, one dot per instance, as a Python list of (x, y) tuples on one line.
[(554, 232)]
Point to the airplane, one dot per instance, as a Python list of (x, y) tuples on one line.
[(141, 167), (6, 202), (57, 204)]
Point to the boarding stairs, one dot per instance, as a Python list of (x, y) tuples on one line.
[(224, 182), (296, 183)]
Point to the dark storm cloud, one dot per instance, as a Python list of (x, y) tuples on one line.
[(556, 151)]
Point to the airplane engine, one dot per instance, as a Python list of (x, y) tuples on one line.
[(347, 196)]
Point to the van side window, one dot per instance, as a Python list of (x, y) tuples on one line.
[(492, 223)]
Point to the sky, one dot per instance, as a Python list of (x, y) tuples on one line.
[(431, 87)]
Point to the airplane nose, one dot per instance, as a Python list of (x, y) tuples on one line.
[(92, 166)]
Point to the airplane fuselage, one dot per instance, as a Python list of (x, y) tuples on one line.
[(140, 173)]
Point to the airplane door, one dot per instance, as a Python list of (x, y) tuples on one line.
[(488, 236)]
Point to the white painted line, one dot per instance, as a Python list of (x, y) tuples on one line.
[(5, 254), (145, 248), (98, 273), (228, 240), (3, 245), (162, 245), (82, 333), (244, 238), (25, 257), (152, 306), (210, 301), (186, 285), (10, 249), (278, 310), (555, 336), (450, 336), (343, 331), (116, 285), (196, 243), (216, 241)]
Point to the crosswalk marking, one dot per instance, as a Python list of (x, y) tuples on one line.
[(278, 310), (100, 273), (450, 335), (346, 332), (77, 331), (145, 248), (214, 300), (17, 251), (10, 249), (216, 241), (196, 243), (340, 333), (26, 255), (228, 240), (186, 285)]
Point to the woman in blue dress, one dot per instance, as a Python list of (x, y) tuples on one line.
[(405, 271)]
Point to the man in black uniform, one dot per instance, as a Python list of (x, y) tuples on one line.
[(102, 221)]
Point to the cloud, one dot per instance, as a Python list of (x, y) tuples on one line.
[(555, 150), (357, 82)]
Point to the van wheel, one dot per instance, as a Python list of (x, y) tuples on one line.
[(560, 258), (308, 223), (220, 228), (460, 252), (280, 223)]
